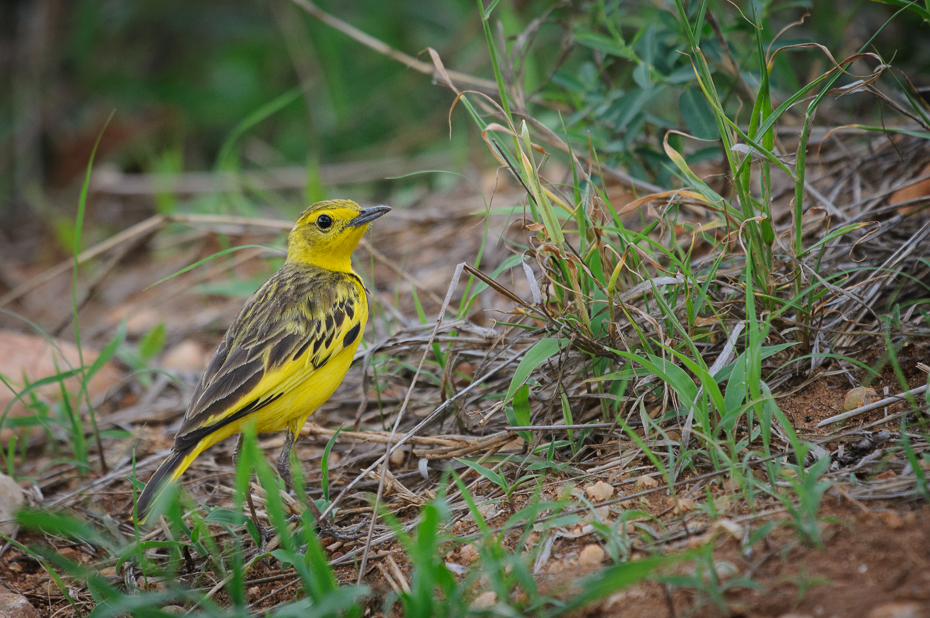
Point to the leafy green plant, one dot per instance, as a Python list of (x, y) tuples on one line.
[(618, 539), (138, 357), (711, 579), (324, 468), (804, 582), (499, 479), (803, 501), (430, 573), (916, 463)]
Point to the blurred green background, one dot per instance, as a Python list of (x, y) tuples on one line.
[(180, 77)]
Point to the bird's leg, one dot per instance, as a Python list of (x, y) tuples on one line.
[(326, 529), (264, 534), (284, 459), (235, 455)]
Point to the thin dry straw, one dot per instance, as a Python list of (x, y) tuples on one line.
[(400, 415)]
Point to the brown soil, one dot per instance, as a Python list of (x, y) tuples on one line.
[(871, 558), (875, 552)]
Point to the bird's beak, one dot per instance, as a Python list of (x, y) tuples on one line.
[(367, 215)]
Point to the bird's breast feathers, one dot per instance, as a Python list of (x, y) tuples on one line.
[(284, 355)]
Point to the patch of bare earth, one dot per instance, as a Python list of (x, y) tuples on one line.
[(872, 560)]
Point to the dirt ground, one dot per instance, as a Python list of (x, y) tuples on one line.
[(876, 550), (874, 561)]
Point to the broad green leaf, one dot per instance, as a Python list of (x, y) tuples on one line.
[(534, 357), (107, 353), (674, 376), (491, 475), (324, 463), (55, 524), (225, 516), (606, 45), (152, 342), (520, 414), (698, 115), (736, 387), (521, 405), (766, 351)]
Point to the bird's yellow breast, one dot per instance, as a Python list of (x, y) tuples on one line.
[(305, 391)]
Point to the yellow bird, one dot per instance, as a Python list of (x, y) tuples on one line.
[(289, 347)]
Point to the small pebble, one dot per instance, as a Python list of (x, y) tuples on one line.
[(599, 492), (893, 520), (682, 505), (592, 554), (488, 511), (16, 606), (468, 554), (484, 600), (732, 528), (858, 397), (11, 499), (731, 485), (600, 514), (897, 609), (725, 570), (186, 356)]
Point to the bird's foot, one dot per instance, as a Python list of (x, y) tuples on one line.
[(284, 460), (327, 529), (284, 469), (264, 536)]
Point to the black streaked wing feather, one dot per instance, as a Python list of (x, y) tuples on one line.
[(298, 311)]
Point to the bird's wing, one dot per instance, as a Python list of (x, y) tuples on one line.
[(293, 325)]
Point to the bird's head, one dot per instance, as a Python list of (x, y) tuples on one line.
[(327, 233)]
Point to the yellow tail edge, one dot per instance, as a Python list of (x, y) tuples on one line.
[(167, 473)]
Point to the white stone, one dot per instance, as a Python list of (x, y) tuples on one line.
[(11, 499), (592, 554), (16, 606), (468, 553), (599, 492), (485, 600)]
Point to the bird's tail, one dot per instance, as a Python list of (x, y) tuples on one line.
[(168, 472)]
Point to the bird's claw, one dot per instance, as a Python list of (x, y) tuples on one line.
[(328, 530)]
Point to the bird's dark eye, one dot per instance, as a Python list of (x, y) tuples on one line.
[(324, 222)]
